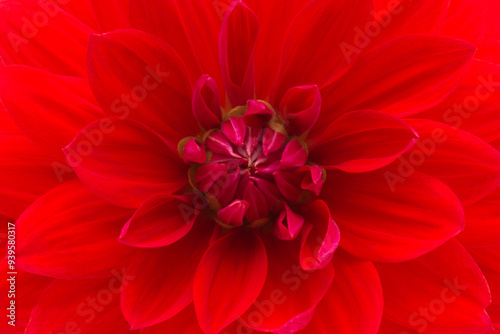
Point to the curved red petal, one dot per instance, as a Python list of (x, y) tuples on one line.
[(25, 173), (50, 109), (335, 21), (399, 77), (442, 291), (467, 164), (289, 296), (394, 19), (134, 75), (471, 20), (236, 260), (184, 322), (94, 307), (193, 30), (158, 222), (320, 237), (481, 222), (236, 44), (65, 232), (363, 141), (124, 162), (163, 278), (33, 32), (369, 214), (354, 303)]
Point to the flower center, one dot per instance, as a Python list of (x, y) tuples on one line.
[(249, 170)]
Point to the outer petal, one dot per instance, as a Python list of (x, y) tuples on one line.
[(288, 299), (119, 19), (25, 173), (467, 164), (193, 30), (236, 44), (304, 49), (184, 322), (394, 19), (65, 233), (441, 292), (489, 51), (160, 221), (401, 76), (236, 260), (124, 162), (33, 33), (472, 106), (362, 141), (28, 288), (138, 76), (163, 283), (481, 222), (272, 32), (488, 259), (471, 20), (354, 303), (389, 327), (93, 307), (50, 109), (379, 224)]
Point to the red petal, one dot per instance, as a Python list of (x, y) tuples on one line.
[(472, 106), (57, 234), (443, 291), (389, 327), (300, 108), (119, 19), (402, 77), (489, 51), (124, 162), (288, 225), (233, 261), (319, 59), (50, 109), (290, 294), (91, 306), (258, 114), (33, 33), (160, 221), (28, 288), (184, 322), (467, 164), (488, 259), (294, 155), (235, 130), (370, 214), (236, 44), (233, 213), (25, 173), (481, 222), (206, 103), (135, 75), (163, 278), (354, 303), (472, 20), (401, 18), (362, 141), (193, 30), (320, 237), (272, 29)]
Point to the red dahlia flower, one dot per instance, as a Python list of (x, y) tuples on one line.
[(199, 166)]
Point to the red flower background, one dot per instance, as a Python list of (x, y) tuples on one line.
[(200, 166)]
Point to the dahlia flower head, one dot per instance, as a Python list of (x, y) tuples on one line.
[(250, 166)]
